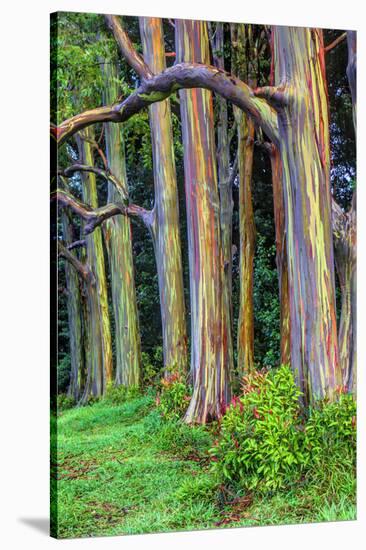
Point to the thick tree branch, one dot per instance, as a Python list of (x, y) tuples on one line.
[(161, 86), (126, 47), (105, 174), (77, 244), (82, 269), (95, 217), (335, 42)]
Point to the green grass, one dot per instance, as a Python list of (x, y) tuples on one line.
[(122, 469)]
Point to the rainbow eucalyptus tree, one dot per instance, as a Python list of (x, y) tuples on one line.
[(163, 221), (211, 354), (281, 253), (95, 373), (300, 99), (225, 176), (118, 239), (345, 240), (74, 312), (95, 259), (244, 68)]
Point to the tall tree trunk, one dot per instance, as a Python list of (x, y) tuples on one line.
[(74, 312), (345, 248), (98, 298), (165, 224), (223, 163), (281, 255), (211, 347), (301, 100), (243, 67), (345, 236), (118, 239), (245, 342)]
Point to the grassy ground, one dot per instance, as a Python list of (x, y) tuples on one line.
[(122, 469)]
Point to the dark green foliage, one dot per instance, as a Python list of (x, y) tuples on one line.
[(174, 397), (116, 395), (63, 373), (64, 402), (331, 430), (267, 444), (260, 444)]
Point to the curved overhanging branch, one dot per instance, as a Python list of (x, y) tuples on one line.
[(94, 217), (82, 269), (126, 47), (105, 174), (161, 86)]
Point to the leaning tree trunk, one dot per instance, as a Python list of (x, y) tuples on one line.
[(211, 348), (118, 239), (165, 221), (301, 101), (95, 259), (345, 249), (74, 312)]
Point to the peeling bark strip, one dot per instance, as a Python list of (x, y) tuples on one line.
[(100, 343), (165, 226), (304, 150), (74, 312), (118, 239), (161, 86), (211, 353)]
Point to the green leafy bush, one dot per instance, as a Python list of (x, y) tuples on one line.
[(331, 429), (152, 369), (64, 402), (202, 489), (260, 443), (116, 395), (174, 396)]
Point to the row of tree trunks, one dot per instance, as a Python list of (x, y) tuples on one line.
[(302, 104), (165, 221), (211, 346), (118, 239), (99, 356)]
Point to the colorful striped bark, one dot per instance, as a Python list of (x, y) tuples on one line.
[(302, 103), (118, 239), (345, 237), (245, 341), (165, 222), (345, 248), (74, 312), (243, 67), (211, 347), (223, 163), (100, 344)]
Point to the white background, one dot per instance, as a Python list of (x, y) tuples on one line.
[(24, 271)]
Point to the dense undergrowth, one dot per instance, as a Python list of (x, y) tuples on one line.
[(128, 464)]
